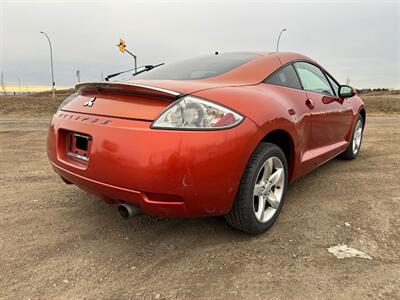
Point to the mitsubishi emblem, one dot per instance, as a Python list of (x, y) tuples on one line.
[(90, 102)]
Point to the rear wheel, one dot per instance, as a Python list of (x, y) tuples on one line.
[(261, 192), (355, 144)]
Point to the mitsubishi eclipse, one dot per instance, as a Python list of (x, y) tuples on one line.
[(215, 135)]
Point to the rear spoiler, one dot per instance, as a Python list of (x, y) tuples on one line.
[(128, 88)]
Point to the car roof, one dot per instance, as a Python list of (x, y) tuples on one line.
[(250, 73), (260, 68)]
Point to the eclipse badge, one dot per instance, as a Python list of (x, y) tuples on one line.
[(90, 102)]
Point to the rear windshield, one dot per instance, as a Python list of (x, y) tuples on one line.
[(199, 67)]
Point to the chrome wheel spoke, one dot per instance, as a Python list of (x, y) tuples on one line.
[(258, 189), (276, 176), (261, 208), (267, 170), (357, 137), (358, 134), (273, 200)]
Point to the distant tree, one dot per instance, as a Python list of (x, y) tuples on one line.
[(2, 83), (363, 91)]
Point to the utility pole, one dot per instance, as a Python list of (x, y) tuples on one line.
[(51, 62), (279, 38), (134, 57), (2, 83), (78, 76), (347, 80), (19, 85)]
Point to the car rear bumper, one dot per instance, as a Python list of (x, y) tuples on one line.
[(165, 172)]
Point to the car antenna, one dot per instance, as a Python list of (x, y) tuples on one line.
[(144, 68), (108, 77)]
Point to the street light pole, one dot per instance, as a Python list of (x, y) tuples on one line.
[(122, 48), (51, 61), (279, 38), (134, 57)]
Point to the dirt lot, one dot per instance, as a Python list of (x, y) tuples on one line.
[(41, 105), (59, 242)]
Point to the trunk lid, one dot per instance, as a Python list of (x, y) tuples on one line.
[(121, 100), (138, 100)]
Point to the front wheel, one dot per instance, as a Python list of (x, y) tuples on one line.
[(355, 143), (262, 190)]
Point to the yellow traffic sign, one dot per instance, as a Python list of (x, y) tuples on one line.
[(122, 45)]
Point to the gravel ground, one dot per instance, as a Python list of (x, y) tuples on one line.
[(57, 242)]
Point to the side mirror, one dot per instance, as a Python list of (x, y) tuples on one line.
[(346, 91)]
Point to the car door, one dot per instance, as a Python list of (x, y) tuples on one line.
[(287, 89), (329, 114), (345, 114)]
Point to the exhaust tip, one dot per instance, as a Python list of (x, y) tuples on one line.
[(123, 211), (127, 211)]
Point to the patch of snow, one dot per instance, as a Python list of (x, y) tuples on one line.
[(344, 251)]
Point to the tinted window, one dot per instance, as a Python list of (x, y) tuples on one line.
[(334, 85), (285, 77), (313, 79), (199, 67)]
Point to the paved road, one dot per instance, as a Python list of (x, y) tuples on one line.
[(59, 242)]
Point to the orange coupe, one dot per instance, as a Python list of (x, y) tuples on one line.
[(215, 135)]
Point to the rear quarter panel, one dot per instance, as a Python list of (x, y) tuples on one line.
[(268, 106)]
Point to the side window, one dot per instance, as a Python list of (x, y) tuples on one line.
[(334, 85), (313, 79), (285, 77)]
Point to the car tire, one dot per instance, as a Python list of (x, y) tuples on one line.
[(260, 187), (354, 146)]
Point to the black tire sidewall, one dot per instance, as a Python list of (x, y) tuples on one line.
[(349, 153), (263, 152)]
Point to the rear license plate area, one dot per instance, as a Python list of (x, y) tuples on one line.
[(79, 145)]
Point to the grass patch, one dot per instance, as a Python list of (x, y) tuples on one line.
[(35, 105), (42, 105)]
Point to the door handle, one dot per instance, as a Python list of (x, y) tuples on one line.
[(310, 103)]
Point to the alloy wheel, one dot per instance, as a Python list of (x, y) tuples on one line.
[(357, 137), (268, 189)]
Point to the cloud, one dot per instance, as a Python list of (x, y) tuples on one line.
[(359, 40)]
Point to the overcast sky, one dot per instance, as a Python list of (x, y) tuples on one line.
[(358, 39)]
